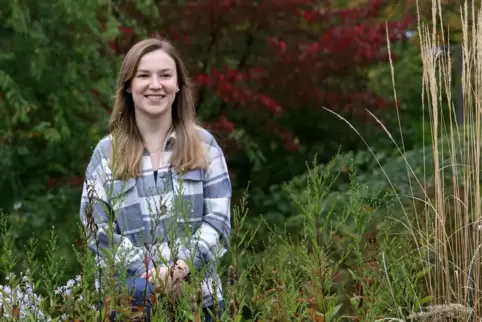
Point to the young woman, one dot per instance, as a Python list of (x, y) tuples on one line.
[(155, 158)]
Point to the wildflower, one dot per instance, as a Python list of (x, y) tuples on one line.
[(66, 289), (21, 302)]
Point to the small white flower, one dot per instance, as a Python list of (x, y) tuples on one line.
[(70, 283)]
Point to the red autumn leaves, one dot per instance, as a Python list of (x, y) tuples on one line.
[(272, 58)]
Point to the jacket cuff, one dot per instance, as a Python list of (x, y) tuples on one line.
[(195, 256)]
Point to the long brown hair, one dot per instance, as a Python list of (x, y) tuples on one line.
[(127, 145)]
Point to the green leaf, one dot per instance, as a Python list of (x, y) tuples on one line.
[(332, 312)]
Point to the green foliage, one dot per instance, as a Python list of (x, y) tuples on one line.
[(347, 263), (54, 56), (405, 91), (381, 177), (46, 99)]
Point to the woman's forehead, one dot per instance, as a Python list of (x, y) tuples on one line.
[(157, 60)]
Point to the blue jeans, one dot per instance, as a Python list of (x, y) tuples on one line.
[(137, 289)]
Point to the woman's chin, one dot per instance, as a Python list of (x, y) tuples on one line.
[(154, 111)]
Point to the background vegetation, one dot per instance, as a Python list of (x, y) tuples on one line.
[(280, 84)]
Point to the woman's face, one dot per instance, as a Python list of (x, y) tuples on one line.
[(154, 85)]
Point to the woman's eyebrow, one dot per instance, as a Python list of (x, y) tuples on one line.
[(147, 71)]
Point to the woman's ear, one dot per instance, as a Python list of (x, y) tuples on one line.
[(127, 86)]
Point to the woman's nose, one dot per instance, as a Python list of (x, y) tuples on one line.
[(155, 83)]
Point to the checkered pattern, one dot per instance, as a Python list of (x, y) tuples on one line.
[(186, 215)]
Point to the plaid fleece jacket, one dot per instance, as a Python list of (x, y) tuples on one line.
[(148, 222)]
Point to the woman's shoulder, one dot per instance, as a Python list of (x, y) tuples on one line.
[(98, 164), (206, 137), (103, 146), (101, 152), (203, 133), (211, 146)]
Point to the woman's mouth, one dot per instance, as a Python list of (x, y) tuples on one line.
[(155, 98)]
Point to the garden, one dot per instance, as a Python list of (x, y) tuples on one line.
[(352, 131)]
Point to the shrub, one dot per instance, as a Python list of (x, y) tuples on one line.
[(346, 262)]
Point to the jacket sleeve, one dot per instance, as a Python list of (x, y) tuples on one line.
[(211, 240), (98, 220)]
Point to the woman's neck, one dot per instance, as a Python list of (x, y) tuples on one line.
[(153, 131)]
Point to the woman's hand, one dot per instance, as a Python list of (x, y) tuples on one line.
[(157, 277), (178, 274), (169, 280)]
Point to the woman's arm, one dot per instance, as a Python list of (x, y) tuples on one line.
[(211, 240), (98, 218)]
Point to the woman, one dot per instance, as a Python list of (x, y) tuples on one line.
[(161, 179)]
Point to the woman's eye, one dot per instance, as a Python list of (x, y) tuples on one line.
[(166, 75)]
